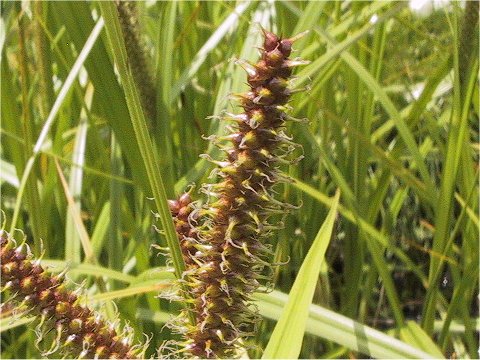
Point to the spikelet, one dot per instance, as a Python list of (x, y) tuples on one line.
[(137, 55), (181, 211), (223, 241), (78, 332)]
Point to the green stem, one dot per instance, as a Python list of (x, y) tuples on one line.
[(154, 173)]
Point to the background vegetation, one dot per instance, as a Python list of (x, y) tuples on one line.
[(392, 102)]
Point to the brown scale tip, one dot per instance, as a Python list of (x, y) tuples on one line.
[(271, 40), (185, 199), (174, 206)]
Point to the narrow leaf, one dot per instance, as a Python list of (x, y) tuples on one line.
[(291, 324), (414, 335), (342, 330)]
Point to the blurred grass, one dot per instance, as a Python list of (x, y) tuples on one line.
[(393, 112)]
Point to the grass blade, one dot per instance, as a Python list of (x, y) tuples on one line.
[(228, 24), (342, 330), (75, 183), (141, 133), (413, 334), (291, 324), (82, 57)]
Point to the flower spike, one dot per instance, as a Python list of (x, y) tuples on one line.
[(223, 241), (75, 330)]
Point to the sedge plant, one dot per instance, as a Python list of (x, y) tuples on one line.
[(118, 96)]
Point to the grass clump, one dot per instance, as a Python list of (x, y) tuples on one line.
[(392, 103)]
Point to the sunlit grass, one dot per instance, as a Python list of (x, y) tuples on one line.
[(391, 99)]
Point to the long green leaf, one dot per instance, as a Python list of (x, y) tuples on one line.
[(154, 173), (342, 330), (291, 324), (413, 334)]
